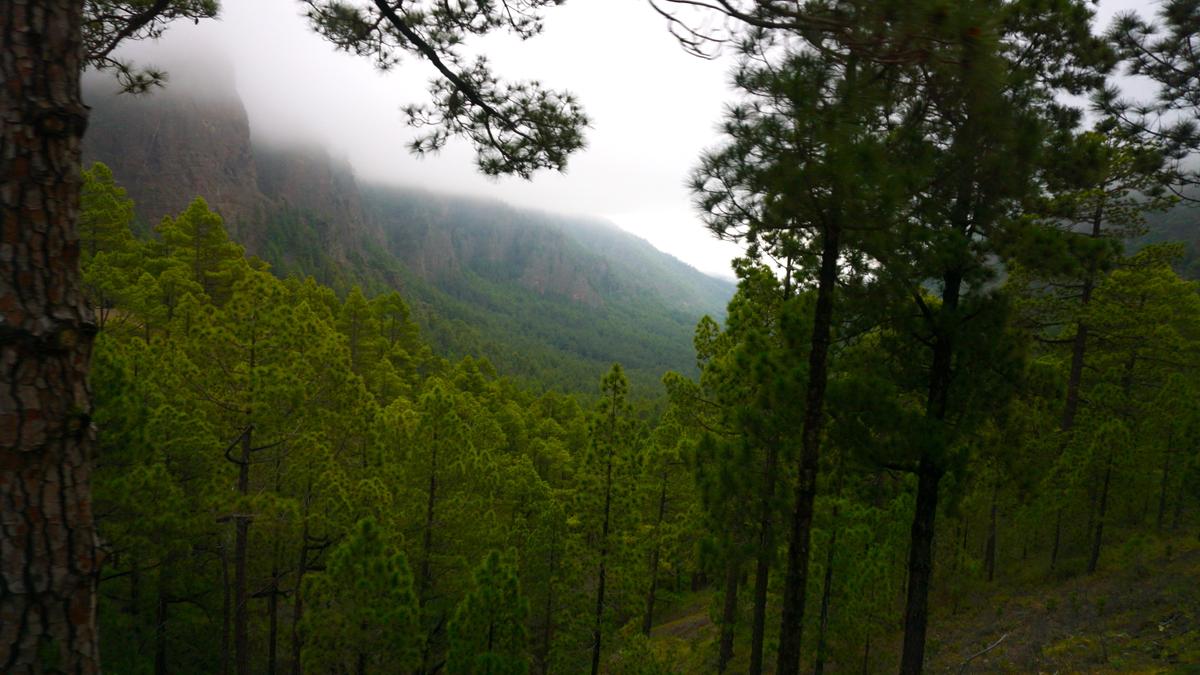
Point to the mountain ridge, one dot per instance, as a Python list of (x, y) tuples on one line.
[(551, 297)]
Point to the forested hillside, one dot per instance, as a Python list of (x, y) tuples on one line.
[(257, 418), (548, 298)]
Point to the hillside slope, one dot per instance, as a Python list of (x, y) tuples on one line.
[(549, 298), (1139, 617)]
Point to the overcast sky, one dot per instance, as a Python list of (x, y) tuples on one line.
[(653, 109)]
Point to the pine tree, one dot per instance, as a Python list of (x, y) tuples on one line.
[(362, 614), (487, 633)]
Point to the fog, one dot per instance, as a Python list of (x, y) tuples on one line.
[(653, 108)]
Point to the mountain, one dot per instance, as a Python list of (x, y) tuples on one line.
[(1179, 224), (546, 297)]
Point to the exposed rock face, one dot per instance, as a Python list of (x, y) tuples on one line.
[(306, 213), (172, 146), (193, 139)]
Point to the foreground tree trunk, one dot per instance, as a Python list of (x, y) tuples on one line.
[(48, 556)]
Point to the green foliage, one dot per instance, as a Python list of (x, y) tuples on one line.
[(487, 633), (362, 614)]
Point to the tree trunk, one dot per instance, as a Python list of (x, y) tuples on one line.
[(796, 583), (920, 569), (766, 552), (241, 638), (298, 601), (929, 475), (602, 572), (1079, 344), (733, 574), (426, 581), (1162, 490), (1094, 558), (648, 619), (47, 537), (826, 593), (990, 548), (160, 623), (226, 608), (866, 664), (273, 619), (548, 624), (1057, 539)]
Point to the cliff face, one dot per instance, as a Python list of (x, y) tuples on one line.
[(189, 140), (170, 147)]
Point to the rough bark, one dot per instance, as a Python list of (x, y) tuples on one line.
[(796, 582), (48, 555)]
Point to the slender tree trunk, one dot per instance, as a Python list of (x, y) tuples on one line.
[(766, 553), (796, 582), (866, 664), (1162, 490), (298, 601), (601, 577), (273, 619), (648, 618), (241, 637), (990, 549), (135, 601), (226, 609), (160, 622), (47, 537), (1094, 558), (548, 624), (962, 549), (1057, 539), (920, 569), (1075, 376), (929, 475), (826, 594), (733, 574), (1079, 344), (427, 549), (1178, 515)]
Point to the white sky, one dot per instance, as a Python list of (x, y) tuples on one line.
[(653, 108)]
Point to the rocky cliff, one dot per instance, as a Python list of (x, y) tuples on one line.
[(551, 296)]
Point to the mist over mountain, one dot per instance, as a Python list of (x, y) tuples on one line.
[(547, 297)]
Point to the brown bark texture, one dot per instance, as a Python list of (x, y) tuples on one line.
[(48, 553)]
